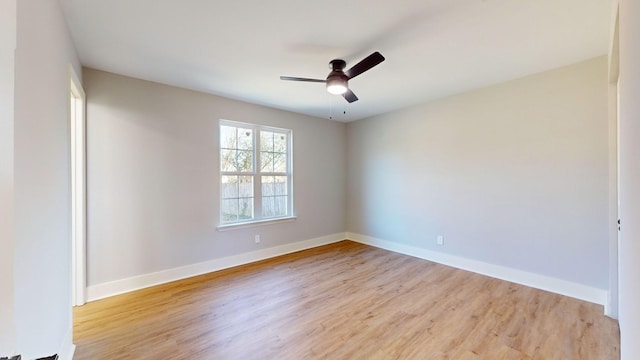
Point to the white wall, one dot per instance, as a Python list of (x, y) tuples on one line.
[(42, 239), (514, 175), (153, 177), (629, 246), (7, 49)]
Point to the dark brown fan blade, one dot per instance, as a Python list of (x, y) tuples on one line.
[(350, 96), (364, 65), (301, 79)]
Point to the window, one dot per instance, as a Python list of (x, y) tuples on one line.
[(255, 173)]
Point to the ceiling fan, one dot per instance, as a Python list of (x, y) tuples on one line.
[(338, 80)]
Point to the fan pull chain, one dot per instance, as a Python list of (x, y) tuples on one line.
[(344, 108), (330, 108)]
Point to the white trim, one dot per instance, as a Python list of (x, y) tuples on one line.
[(104, 290), (242, 225), (555, 285), (77, 155), (67, 349), (611, 306)]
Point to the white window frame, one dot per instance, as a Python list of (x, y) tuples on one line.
[(257, 174)]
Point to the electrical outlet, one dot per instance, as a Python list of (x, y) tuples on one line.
[(257, 239), (440, 240)]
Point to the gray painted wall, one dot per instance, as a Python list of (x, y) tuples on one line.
[(515, 174), (42, 236), (7, 53), (153, 187)]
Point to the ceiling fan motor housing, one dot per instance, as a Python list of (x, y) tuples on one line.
[(337, 64)]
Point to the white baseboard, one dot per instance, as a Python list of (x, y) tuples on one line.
[(558, 286), (67, 349), (555, 285), (611, 307), (104, 290)]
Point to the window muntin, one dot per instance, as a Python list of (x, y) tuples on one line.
[(237, 198), (236, 149), (255, 173), (274, 196)]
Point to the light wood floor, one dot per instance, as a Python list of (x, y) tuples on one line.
[(343, 301)]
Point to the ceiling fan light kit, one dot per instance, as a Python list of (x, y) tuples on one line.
[(337, 81), (337, 85)]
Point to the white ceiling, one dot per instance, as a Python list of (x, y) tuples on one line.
[(238, 49)]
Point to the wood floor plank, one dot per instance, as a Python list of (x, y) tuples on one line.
[(343, 301)]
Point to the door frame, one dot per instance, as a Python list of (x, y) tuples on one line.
[(611, 305), (77, 131)]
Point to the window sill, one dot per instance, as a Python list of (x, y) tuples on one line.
[(242, 225)]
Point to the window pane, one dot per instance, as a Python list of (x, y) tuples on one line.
[(266, 158), (229, 210), (279, 142), (246, 209), (267, 186), (268, 207), (245, 160), (280, 208), (274, 196), (266, 141), (229, 187), (227, 160), (279, 162), (228, 137), (246, 187), (280, 185), (245, 139), (274, 206)]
